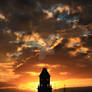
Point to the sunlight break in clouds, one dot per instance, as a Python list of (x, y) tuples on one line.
[(43, 46), (57, 8)]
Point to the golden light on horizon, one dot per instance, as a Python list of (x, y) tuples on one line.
[(57, 84), (29, 86), (34, 85)]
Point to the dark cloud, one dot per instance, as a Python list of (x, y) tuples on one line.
[(78, 66), (28, 16), (5, 84), (13, 90), (88, 41)]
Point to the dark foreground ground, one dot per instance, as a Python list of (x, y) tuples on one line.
[(78, 89)]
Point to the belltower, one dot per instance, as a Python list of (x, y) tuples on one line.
[(44, 85)]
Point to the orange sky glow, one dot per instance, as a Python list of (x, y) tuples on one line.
[(56, 80), (51, 34), (56, 84)]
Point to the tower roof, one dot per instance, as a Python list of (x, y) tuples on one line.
[(44, 73)]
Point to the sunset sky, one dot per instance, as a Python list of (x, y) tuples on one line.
[(56, 34)]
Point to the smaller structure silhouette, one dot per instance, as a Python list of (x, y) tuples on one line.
[(44, 85), (64, 88)]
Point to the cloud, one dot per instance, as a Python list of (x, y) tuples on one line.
[(7, 71), (5, 85), (29, 38)]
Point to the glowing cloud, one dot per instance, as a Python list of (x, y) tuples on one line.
[(2, 17), (6, 72)]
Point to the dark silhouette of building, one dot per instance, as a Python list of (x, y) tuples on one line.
[(44, 85)]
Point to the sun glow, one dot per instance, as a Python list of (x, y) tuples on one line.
[(34, 85), (57, 84), (29, 86)]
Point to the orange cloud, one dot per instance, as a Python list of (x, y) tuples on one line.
[(73, 42), (47, 65), (2, 16), (33, 73), (63, 73), (6, 71), (79, 50)]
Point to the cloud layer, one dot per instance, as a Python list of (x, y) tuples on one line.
[(54, 34)]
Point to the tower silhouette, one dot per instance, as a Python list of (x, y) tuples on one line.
[(44, 81)]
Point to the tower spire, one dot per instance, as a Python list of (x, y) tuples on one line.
[(44, 85)]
